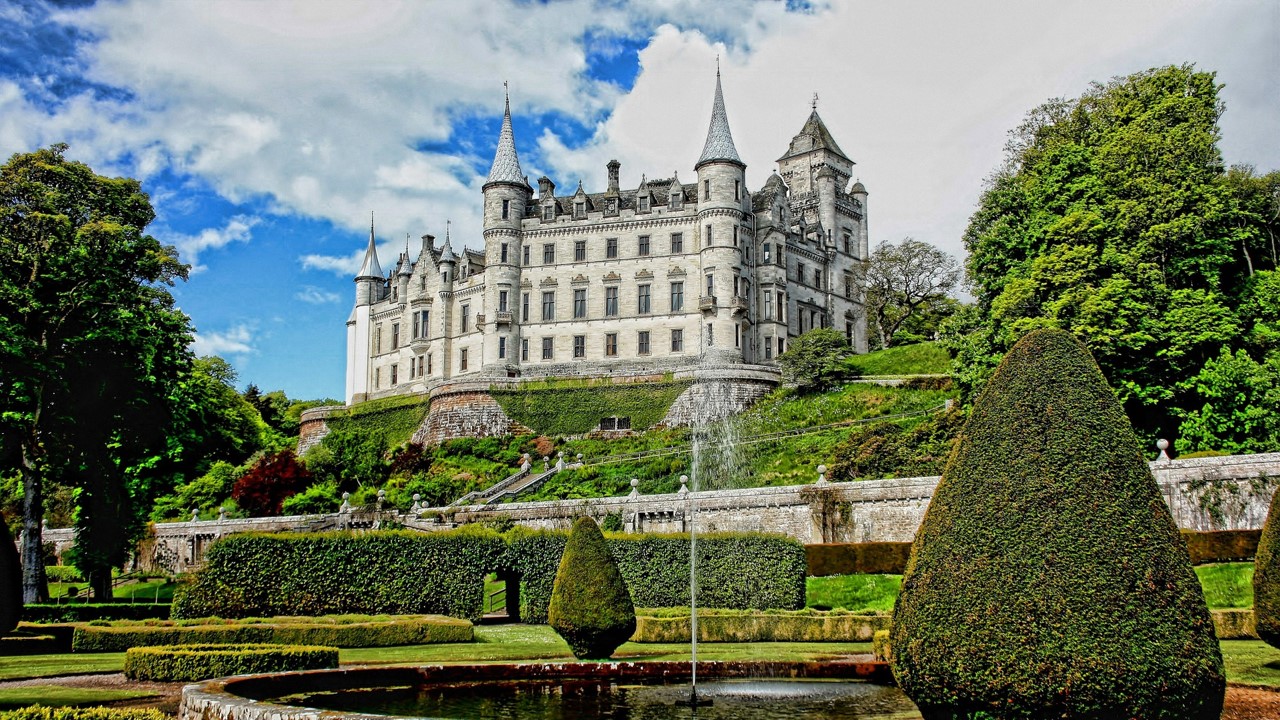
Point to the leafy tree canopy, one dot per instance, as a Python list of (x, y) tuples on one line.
[(813, 360), (1114, 218), (908, 281)]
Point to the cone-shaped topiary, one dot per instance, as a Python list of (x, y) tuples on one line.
[(1266, 577), (1048, 579), (590, 605), (10, 586)]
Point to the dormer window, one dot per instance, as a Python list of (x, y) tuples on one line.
[(580, 210), (676, 197), (643, 203), (548, 212)]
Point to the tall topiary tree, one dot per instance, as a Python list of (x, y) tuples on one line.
[(590, 605), (1048, 578), (1266, 577), (10, 586)]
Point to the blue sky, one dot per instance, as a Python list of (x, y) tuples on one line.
[(267, 132)]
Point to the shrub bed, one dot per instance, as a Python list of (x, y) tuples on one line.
[(350, 632), (175, 663), (735, 570), (86, 612), (394, 572), (872, 558), (719, 625), (1221, 545), (40, 712)]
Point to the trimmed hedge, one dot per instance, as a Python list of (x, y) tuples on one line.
[(881, 650), (735, 570), (1234, 624), (175, 663), (395, 572), (443, 573), (349, 633), (88, 612), (715, 625), (590, 605), (1221, 545), (1266, 577), (40, 712), (870, 558), (1048, 578)]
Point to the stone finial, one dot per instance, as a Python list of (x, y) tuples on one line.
[(382, 495), (195, 515), (222, 513), (346, 503), (546, 463), (1163, 445), (684, 484), (822, 474), (417, 503), (635, 487)]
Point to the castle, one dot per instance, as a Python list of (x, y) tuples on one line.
[(656, 279)]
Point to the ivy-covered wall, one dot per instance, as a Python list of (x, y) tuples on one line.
[(396, 417), (576, 407)]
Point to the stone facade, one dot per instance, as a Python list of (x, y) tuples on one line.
[(1221, 493), (665, 275)]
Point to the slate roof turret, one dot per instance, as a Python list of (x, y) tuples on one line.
[(719, 146), (506, 164), (370, 267)]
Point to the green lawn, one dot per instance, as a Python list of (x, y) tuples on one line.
[(1227, 585), (1251, 661), (32, 666), (853, 592), (919, 359), (59, 696), (153, 590)]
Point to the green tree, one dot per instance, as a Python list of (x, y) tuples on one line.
[(1239, 399), (590, 606), (906, 281), (813, 360), (1048, 578), (90, 343), (1113, 217)]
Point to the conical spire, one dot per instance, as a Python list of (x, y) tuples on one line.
[(370, 267), (719, 147), (446, 254), (506, 165)]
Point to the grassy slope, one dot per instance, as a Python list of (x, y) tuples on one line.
[(919, 359), (59, 696)]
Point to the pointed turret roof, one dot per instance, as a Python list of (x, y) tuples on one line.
[(446, 254), (719, 146), (370, 267), (814, 136), (506, 165)]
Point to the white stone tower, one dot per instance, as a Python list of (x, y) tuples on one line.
[(506, 194), (369, 287), (722, 193)]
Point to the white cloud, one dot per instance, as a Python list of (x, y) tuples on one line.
[(316, 296), (190, 247), (237, 340)]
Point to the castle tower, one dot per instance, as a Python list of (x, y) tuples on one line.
[(506, 194), (369, 283), (721, 196)]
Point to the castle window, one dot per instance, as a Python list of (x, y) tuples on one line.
[(677, 243), (579, 346), (768, 348), (502, 301), (549, 212), (782, 345), (466, 317), (848, 286), (677, 341), (524, 349), (579, 250), (642, 342), (548, 253), (711, 285), (800, 272), (767, 252), (462, 359), (677, 197), (706, 189), (502, 347), (817, 278), (548, 306), (422, 365), (642, 203), (377, 378), (847, 238), (504, 252), (642, 299), (547, 348), (737, 336), (768, 306), (579, 304), (429, 371), (677, 296), (611, 302), (611, 344), (737, 189), (708, 235), (525, 255), (848, 332), (579, 210), (444, 276), (506, 209), (395, 292), (642, 246), (735, 236), (782, 309), (377, 338), (395, 373), (395, 335), (711, 335), (611, 248)]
